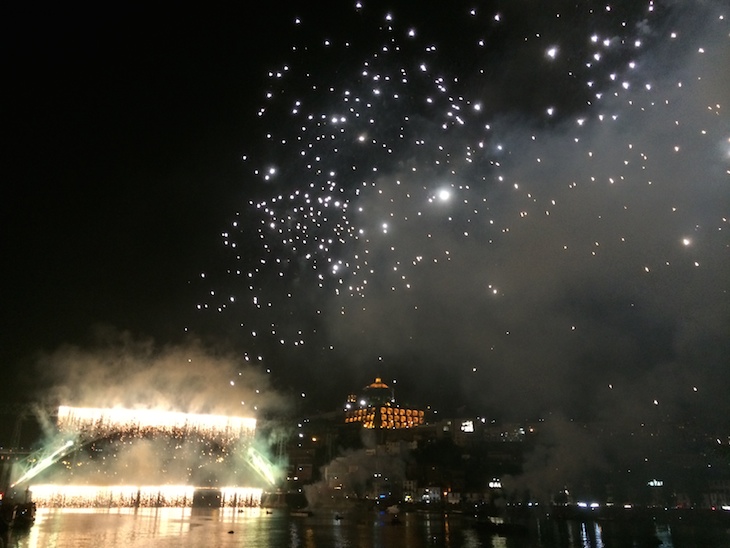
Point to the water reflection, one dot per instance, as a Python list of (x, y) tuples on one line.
[(664, 534), (226, 527), (591, 535)]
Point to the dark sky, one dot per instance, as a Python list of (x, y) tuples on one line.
[(516, 211), (124, 134)]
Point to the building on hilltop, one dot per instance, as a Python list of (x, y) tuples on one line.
[(376, 408)]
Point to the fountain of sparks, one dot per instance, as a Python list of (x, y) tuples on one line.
[(137, 496), (98, 422), (191, 453)]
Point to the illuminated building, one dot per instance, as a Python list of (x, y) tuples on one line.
[(376, 408)]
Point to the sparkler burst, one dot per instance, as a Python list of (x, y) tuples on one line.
[(505, 192), (135, 496), (93, 422), (177, 446)]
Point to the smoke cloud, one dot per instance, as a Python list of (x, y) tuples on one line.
[(593, 273), (121, 371)]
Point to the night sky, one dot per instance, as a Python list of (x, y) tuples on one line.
[(504, 209)]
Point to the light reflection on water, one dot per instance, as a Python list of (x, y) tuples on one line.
[(161, 527), (591, 541), (219, 528)]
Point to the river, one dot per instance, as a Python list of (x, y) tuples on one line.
[(252, 528)]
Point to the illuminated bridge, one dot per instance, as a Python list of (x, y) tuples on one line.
[(133, 457)]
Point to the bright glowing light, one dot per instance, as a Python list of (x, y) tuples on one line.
[(38, 462), (99, 422), (134, 496), (262, 465)]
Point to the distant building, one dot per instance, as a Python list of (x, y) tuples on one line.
[(376, 408)]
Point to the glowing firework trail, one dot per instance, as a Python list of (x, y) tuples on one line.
[(98, 422), (37, 462), (262, 465)]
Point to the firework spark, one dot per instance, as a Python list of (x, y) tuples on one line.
[(136, 496), (505, 180), (96, 422)]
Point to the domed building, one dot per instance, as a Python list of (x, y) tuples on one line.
[(376, 407)]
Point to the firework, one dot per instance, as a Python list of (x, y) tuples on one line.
[(460, 192), (80, 425), (136, 496), (98, 422), (504, 194)]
